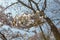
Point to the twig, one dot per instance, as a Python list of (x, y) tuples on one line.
[(44, 5), (9, 6), (36, 4), (30, 3), (3, 37)]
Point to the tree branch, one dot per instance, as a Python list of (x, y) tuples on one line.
[(3, 37), (42, 33), (9, 6), (27, 6), (44, 5), (30, 3), (36, 4)]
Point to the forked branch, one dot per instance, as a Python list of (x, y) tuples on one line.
[(26, 5)]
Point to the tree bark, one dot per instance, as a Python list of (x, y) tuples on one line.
[(53, 27)]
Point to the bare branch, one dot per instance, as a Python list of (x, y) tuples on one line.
[(30, 3), (36, 4), (38, 1), (3, 37), (44, 5), (9, 6), (42, 33), (27, 6)]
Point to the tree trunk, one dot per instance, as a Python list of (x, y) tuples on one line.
[(53, 27)]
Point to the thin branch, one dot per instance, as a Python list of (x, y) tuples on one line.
[(44, 5), (27, 6), (38, 1), (9, 6), (36, 4), (42, 33), (30, 3), (3, 37)]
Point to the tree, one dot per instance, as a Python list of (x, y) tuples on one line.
[(41, 13), (53, 27)]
